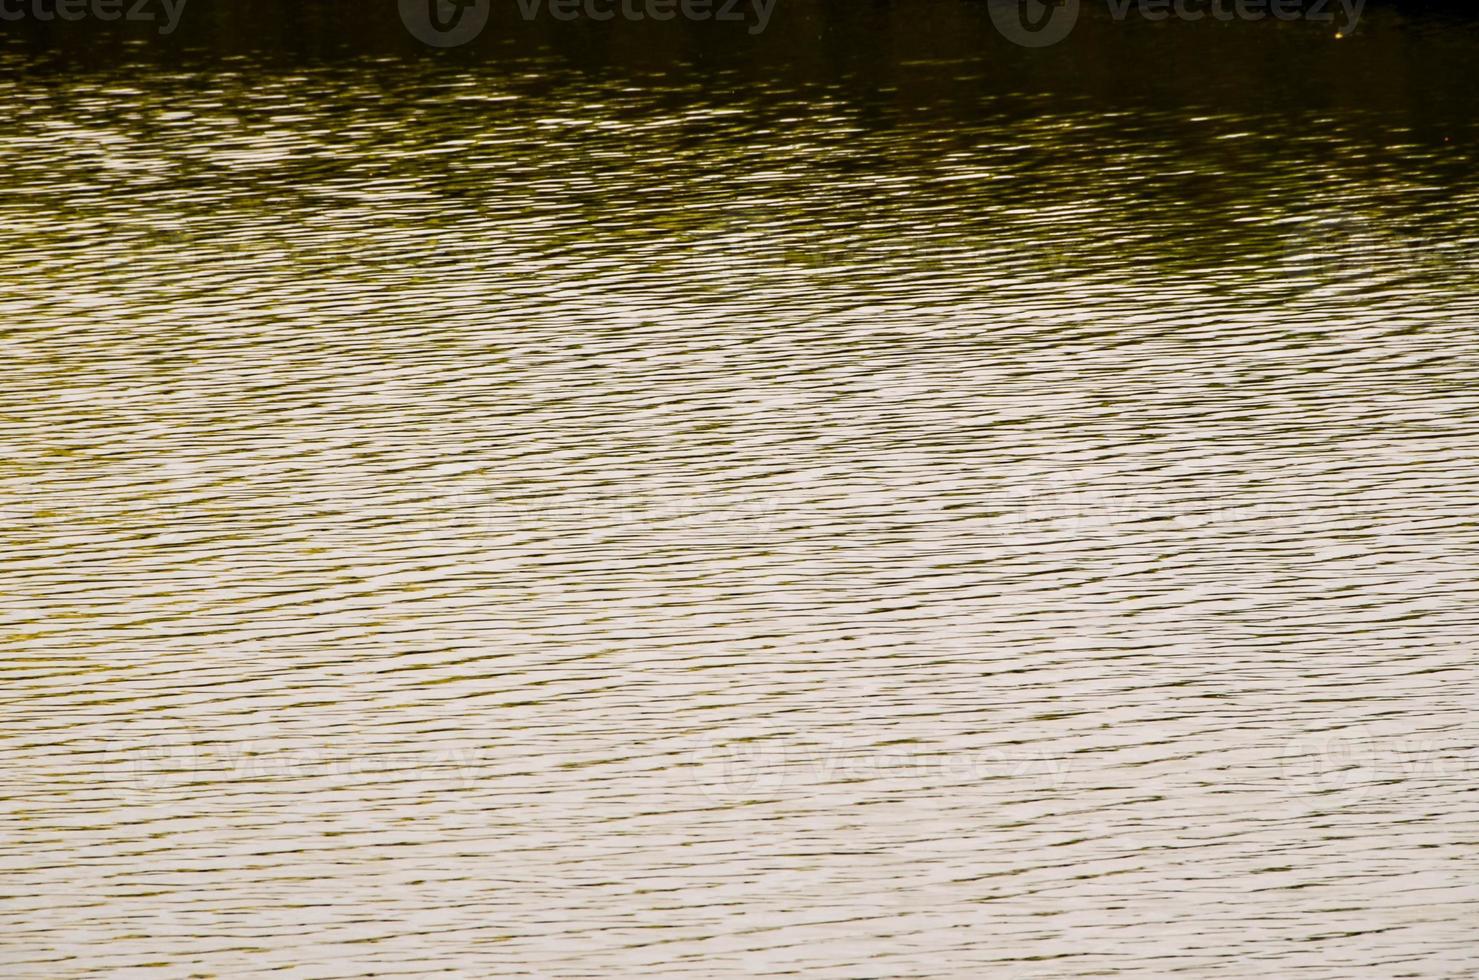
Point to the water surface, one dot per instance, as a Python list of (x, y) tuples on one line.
[(539, 516)]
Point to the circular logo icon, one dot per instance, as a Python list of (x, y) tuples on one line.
[(163, 753), (1034, 23), (729, 774), (1324, 764), (445, 23)]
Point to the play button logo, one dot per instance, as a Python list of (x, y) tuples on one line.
[(445, 23), (1034, 23)]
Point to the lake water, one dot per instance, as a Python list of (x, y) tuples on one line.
[(858, 513)]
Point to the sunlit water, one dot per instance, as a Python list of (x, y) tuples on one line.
[(538, 521)]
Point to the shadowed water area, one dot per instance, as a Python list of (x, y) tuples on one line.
[(860, 511)]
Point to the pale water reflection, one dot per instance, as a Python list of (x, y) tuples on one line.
[(478, 522)]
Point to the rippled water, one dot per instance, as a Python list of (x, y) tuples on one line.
[(538, 520)]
